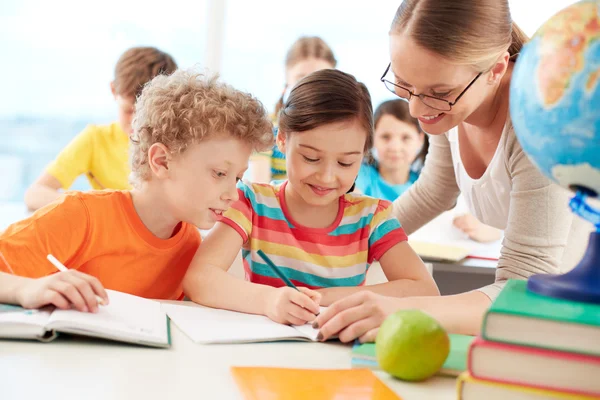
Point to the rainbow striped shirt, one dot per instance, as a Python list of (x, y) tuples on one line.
[(339, 255)]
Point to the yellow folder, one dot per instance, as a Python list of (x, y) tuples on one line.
[(314, 384), (439, 252)]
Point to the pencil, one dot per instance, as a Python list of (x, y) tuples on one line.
[(6, 263), (60, 266), (276, 270)]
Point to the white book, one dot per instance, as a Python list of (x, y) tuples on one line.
[(210, 326), (126, 318)]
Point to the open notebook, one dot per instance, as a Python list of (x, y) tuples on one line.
[(127, 318), (209, 325), (439, 240)]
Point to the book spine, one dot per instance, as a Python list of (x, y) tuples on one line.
[(480, 342)]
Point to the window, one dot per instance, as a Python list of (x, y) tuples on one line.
[(58, 61)]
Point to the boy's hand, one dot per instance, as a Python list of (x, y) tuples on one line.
[(65, 290), (290, 306)]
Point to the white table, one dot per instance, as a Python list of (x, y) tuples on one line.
[(77, 368)]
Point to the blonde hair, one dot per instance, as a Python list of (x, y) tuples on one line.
[(304, 48), (468, 32), (188, 107), (137, 66)]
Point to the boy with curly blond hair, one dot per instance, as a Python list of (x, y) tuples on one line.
[(191, 141)]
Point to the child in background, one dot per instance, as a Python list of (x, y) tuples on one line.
[(191, 141), (307, 55), (399, 148), (318, 233), (100, 151)]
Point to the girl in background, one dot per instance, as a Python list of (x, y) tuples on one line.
[(307, 55), (399, 149)]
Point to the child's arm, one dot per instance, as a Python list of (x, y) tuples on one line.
[(477, 230), (70, 163), (405, 272), (63, 290), (207, 282), (43, 191)]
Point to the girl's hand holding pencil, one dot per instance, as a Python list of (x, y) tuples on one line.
[(293, 306), (290, 304)]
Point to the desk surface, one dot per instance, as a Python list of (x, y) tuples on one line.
[(442, 231), (77, 368)]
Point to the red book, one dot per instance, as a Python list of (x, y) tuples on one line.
[(534, 367)]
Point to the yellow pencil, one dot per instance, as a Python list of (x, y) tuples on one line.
[(60, 266)]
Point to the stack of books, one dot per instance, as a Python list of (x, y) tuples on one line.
[(534, 347)]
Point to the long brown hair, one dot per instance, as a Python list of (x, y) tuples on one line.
[(324, 97), (470, 32), (399, 109), (304, 48)]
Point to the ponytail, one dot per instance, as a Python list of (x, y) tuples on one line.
[(519, 38)]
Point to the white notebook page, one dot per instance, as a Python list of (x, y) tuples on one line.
[(209, 325), (125, 314)]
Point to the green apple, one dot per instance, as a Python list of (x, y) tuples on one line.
[(411, 345)]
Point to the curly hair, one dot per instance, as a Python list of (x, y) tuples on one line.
[(139, 65), (187, 107)]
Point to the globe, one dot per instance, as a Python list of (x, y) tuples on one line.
[(555, 111), (555, 97)]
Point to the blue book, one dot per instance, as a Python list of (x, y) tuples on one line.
[(363, 355)]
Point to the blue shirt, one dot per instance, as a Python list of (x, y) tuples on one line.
[(370, 183)]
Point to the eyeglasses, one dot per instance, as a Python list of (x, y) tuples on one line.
[(433, 102)]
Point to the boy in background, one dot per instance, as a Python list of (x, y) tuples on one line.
[(191, 141), (100, 151)]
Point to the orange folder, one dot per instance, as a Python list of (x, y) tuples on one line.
[(314, 384)]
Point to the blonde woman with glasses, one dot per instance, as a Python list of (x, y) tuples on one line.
[(453, 61)]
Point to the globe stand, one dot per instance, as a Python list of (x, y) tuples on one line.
[(582, 283)]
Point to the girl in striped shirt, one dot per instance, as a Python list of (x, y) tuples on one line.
[(318, 233)]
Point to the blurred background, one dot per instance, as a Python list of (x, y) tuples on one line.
[(58, 58)]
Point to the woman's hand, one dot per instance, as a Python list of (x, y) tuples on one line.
[(357, 316)]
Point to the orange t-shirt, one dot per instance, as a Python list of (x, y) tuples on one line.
[(100, 233)]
